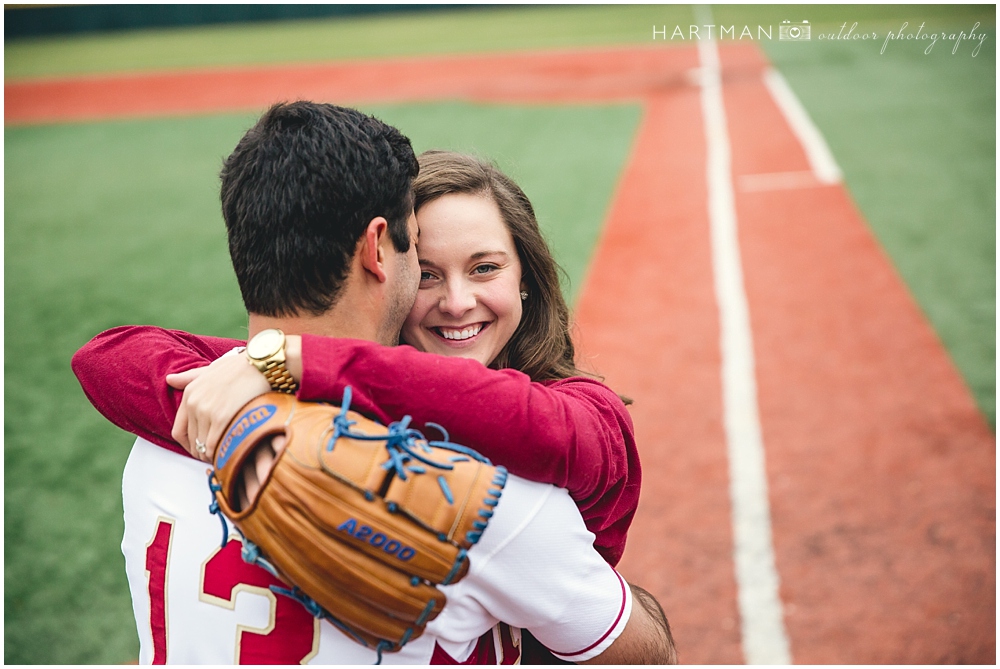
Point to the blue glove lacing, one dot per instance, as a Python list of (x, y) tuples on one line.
[(406, 448)]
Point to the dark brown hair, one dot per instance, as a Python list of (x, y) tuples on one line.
[(297, 193), (540, 346)]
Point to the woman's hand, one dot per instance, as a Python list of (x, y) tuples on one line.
[(212, 397)]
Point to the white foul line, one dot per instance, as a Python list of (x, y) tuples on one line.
[(817, 151), (765, 640)]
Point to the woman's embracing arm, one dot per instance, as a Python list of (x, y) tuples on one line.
[(123, 370), (573, 433)]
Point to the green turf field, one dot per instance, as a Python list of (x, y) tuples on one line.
[(118, 222)]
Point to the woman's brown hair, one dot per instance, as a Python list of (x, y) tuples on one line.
[(540, 346)]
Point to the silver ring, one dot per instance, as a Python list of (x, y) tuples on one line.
[(200, 447)]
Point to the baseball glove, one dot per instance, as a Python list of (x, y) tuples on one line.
[(362, 520)]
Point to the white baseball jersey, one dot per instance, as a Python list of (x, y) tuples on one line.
[(197, 602)]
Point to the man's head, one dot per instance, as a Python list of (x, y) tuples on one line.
[(299, 194)]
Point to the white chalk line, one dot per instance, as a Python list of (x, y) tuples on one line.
[(817, 150), (764, 638)]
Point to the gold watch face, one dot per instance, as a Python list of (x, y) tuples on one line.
[(265, 344)]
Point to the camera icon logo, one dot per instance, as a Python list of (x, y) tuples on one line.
[(794, 32)]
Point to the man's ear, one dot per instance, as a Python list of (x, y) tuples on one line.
[(371, 251)]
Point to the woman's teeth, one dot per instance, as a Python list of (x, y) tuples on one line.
[(459, 335)]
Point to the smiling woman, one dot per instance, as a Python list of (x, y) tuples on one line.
[(469, 302), (489, 286)]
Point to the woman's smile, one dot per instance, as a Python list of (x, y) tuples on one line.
[(459, 335), (469, 302)]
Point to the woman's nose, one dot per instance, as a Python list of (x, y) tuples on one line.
[(458, 298)]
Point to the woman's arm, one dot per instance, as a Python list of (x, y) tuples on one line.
[(563, 432), (574, 433), (122, 372)]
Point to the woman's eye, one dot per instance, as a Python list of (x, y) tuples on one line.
[(426, 276), (484, 269)]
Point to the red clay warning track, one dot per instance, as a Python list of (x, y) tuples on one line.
[(881, 469), (528, 77)]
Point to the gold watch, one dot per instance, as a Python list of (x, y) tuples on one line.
[(266, 352)]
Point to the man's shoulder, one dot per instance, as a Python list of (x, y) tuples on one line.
[(524, 498), (527, 506), (534, 568), (520, 492)]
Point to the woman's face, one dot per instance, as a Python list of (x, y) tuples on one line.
[(469, 301)]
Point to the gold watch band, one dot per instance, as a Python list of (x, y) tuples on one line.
[(279, 377)]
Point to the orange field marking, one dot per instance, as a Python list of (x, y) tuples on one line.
[(543, 77), (881, 469)]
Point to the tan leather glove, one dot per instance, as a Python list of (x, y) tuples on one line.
[(364, 521)]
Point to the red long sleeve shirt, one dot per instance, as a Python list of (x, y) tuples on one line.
[(573, 433)]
